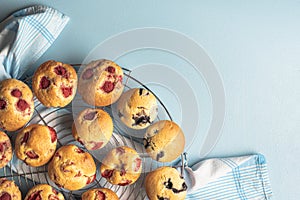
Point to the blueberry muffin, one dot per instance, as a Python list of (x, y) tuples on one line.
[(137, 108), (165, 183), (5, 149), (93, 128), (36, 144), (164, 141), (9, 190), (121, 166), (43, 192), (72, 168), (99, 194), (55, 83), (100, 83), (16, 104)]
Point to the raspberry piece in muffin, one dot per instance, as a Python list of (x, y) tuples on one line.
[(44, 83), (16, 93), (108, 86), (67, 91), (53, 134), (59, 70), (2, 104), (87, 74), (22, 105)]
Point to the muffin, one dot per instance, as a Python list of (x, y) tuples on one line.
[(164, 141), (55, 83), (43, 192), (16, 104), (72, 168), (99, 194), (36, 144), (9, 190), (5, 149), (165, 183), (137, 108), (93, 128), (121, 166), (100, 83)]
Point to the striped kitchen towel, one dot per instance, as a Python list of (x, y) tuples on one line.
[(240, 178), (25, 36)]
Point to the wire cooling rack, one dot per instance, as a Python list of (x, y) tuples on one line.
[(61, 120)]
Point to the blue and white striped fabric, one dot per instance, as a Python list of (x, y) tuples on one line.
[(25, 36), (243, 178)]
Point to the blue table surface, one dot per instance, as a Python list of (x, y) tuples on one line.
[(254, 45)]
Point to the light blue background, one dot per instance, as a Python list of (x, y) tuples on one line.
[(255, 46)]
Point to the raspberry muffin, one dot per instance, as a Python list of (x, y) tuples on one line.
[(93, 128), (55, 83), (165, 183), (164, 141), (5, 149), (100, 83), (72, 168), (16, 104), (137, 108), (121, 166), (36, 144), (9, 190), (43, 192), (99, 194)]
